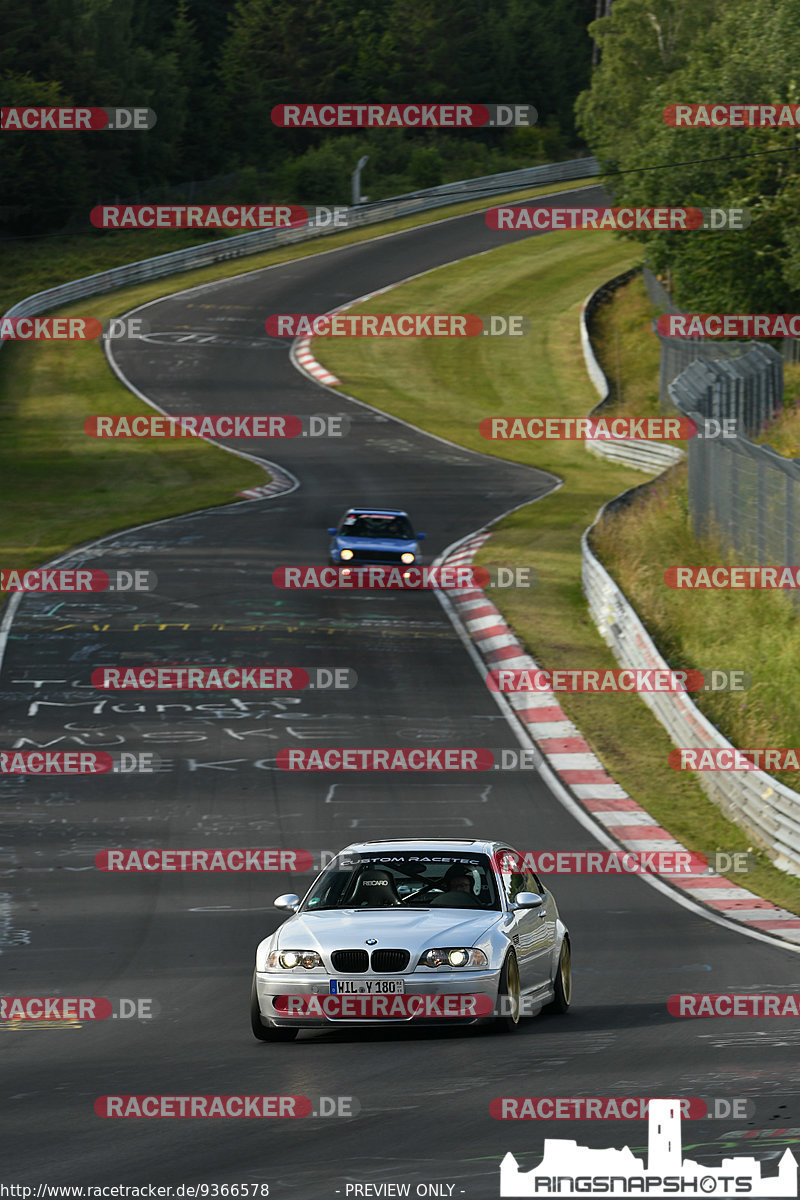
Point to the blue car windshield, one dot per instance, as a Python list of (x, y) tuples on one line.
[(368, 525), (400, 879)]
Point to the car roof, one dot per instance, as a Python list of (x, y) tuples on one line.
[(381, 512), (434, 845)]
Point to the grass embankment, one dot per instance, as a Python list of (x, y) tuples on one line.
[(448, 387), (755, 631), (62, 488)]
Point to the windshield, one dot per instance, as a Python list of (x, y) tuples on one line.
[(400, 879), (376, 525)]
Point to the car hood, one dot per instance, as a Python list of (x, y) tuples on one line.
[(348, 928), (367, 543)]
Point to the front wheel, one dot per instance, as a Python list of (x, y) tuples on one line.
[(509, 1006), (562, 984), (266, 1033)]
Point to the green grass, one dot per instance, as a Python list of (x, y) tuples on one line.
[(62, 488), (448, 387)]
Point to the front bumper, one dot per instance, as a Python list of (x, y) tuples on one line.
[(270, 984)]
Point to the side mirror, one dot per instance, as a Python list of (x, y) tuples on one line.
[(421, 537), (332, 530), (287, 903), (528, 900)]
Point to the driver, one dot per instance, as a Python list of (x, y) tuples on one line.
[(460, 892)]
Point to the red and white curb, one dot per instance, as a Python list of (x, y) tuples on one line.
[(306, 359), (571, 757), (281, 482)]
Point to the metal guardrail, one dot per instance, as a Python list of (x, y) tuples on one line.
[(264, 239), (769, 811), (639, 454)]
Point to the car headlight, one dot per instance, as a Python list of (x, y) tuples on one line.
[(289, 959), (454, 956), (408, 557), (346, 555)]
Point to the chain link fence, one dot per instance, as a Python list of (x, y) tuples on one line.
[(746, 494), (747, 389)]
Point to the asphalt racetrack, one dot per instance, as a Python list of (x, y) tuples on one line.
[(185, 941)]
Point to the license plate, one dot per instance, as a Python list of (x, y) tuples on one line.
[(367, 987)]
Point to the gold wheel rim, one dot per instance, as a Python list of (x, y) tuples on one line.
[(566, 971), (513, 989)]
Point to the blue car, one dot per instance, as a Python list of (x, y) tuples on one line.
[(375, 535)]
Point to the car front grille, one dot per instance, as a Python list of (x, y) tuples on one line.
[(350, 961), (389, 960)]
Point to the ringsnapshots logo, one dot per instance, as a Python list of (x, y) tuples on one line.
[(548, 218), (397, 325), (76, 120), (403, 116), (568, 1170)]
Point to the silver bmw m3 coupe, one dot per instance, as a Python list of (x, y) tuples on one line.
[(414, 932)]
